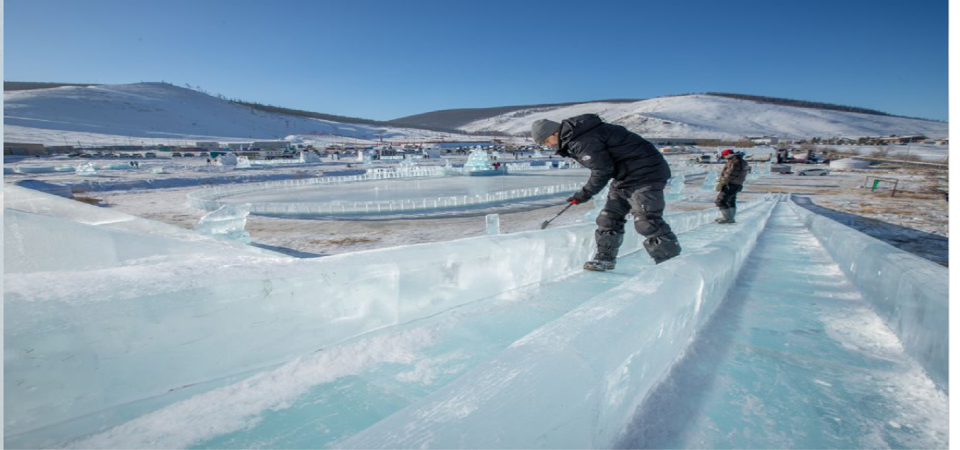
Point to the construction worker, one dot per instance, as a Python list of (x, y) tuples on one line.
[(729, 184), (639, 173)]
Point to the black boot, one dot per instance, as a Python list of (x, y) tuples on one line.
[(662, 247), (727, 215), (608, 246)]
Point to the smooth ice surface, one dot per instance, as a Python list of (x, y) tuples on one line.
[(794, 358), (910, 293)]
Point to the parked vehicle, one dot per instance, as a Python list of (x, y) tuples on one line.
[(813, 172), (188, 155), (150, 155), (176, 155)]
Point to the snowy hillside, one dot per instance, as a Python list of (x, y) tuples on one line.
[(156, 112), (707, 116)]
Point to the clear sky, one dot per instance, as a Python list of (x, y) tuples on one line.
[(388, 59)]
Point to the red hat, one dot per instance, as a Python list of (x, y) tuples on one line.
[(726, 152)]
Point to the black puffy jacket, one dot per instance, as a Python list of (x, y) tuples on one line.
[(611, 151)]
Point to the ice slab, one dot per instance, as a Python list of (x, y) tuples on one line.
[(228, 222), (794, 358), (565, 385), (69, 216), (127, 333), (910, 293), (349, 386)]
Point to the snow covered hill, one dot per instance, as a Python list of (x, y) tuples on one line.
[(708, 116), (151, 113), (158, 112)]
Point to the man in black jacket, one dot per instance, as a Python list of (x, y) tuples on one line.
[(639, 174)]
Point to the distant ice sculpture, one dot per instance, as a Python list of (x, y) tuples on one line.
[(228, 159), (709, 182), (309, 157), (157, 169), (478, 161), (228, 222), (243, 162), (537, 154), (87, 169)]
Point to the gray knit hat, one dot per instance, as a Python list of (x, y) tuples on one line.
[(542, 129)]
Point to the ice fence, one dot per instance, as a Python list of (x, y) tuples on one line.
[(910, 293)]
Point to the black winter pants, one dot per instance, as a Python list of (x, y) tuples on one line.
[(727, 198), (646, 203)]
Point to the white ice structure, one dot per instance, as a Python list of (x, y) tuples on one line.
[(493, 342), (478, 161), (228, 222), (849, 163), (228, 159), (309, 157), (86, 169), (386, 191), (243, 162), (525, 167)]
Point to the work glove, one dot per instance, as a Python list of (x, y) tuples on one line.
[(578, 198)]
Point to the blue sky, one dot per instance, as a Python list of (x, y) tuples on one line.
[(388, 59)]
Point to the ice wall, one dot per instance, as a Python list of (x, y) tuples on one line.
[(575, 382), (44, 232), (126, 333), (910, 293)]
